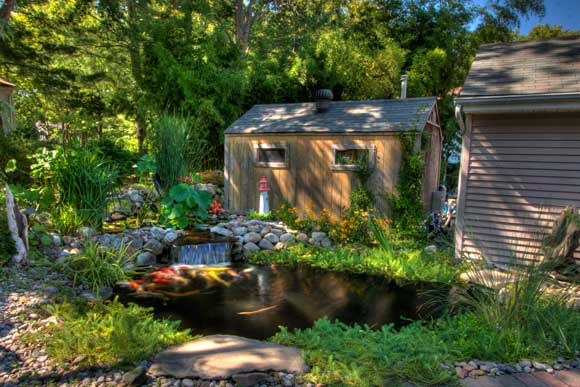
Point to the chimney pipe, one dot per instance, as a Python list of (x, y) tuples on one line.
[(404, 79)]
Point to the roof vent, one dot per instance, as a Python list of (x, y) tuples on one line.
[(322, 97)]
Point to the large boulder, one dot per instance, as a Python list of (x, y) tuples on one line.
[(265, 244), (273, 238), (154, 246), (221, 357), (252, 237)]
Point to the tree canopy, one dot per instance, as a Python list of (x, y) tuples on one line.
[(84, 68)]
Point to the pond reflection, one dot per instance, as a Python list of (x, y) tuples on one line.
[(253, 301)]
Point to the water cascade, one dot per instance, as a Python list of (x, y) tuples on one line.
[(214, 253)]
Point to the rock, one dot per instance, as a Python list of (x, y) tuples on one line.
[(135, 377), (278, 232), (154, 246), (67, 239), (430, 249), (476, 373), (327, 243), (56, 239), (265, 230), (220, 357), (146, 259), (86, 232), (318, 236), (469, 367), (221, 230), (250, 248), (287, 238), (250, 379), (240, 230), (187, 383), (265, 244), (157, 233), (314, 242), (540, 366), (136, 243), (279, 246), (302, 237), (170, 237), (272, 237), (525, 363), (252, 237), (117, 216)]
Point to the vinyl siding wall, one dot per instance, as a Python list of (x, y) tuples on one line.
[(518, 173)]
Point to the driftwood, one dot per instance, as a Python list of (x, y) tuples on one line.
[(565, 237), (18, 226)]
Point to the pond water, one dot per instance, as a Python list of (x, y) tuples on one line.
[(253, 301)]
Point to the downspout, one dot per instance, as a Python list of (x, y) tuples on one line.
[(459, 118)]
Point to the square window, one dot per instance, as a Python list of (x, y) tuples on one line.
[(349, 157), (271, 155)]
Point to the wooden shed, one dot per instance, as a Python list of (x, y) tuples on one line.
[(307, 154), (6, 106), (520, 162)]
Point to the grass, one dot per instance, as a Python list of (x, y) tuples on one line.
[(99, 266), (520, 322), (403, 266), (106, 333)]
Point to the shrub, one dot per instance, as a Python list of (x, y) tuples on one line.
[(361, 199), (184, 205), (116, 154), (99, 266), (107, 333)]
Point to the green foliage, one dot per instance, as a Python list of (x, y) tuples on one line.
[(546, 31), (184, 206), (146, 164), (116, 153), (361, 199), (408, 211), (170, 139), (403, 266), (84, 180), (107, 333), (66, 220), (99, 266), (255, 215), (527, 323)]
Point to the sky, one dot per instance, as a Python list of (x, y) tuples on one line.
[(563, 12)]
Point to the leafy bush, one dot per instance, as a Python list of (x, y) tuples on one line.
[(116, 154), (99, 266), (184, 205), (66, 220), (107, 333), (361, 199)]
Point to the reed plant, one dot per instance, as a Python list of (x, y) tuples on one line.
[(84, 180), (178, 148)]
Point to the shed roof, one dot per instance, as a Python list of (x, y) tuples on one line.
[(382, 115), (537, 67)]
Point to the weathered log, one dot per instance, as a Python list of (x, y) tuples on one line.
[(565, 237), (18, 227)]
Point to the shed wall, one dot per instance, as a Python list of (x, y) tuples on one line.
[(309, 182), (518, 173)]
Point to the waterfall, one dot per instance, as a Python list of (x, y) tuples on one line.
[(215, 253)]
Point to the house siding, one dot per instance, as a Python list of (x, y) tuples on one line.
[(522, 170)]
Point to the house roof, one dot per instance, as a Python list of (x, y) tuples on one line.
[(4, 82), (537, 67), (382, 115)]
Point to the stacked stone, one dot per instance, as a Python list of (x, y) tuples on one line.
[(255, 235)]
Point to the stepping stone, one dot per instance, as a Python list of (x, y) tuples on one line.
[(222, 356)]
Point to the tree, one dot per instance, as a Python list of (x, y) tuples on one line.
[(546, 31)]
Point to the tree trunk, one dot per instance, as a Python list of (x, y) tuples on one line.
[(18, 226), (5, 13)]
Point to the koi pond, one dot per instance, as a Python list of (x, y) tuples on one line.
[(254, 301)]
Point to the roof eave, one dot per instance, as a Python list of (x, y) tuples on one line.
[(523, 103)]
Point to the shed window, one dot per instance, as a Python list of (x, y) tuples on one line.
[(271, 155), (349, 157)]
